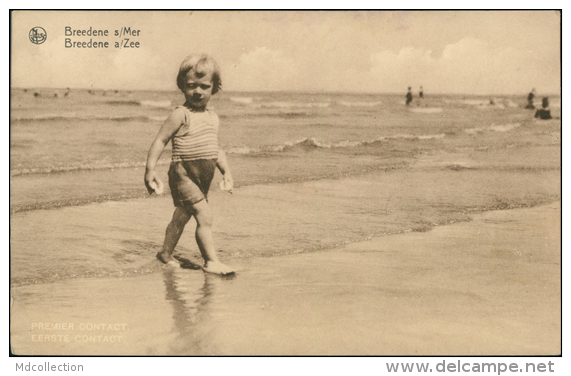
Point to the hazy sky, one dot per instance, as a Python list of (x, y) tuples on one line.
[(480, 52)]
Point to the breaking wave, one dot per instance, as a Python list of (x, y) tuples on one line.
[(306, 144), (80, 167), (145, 103), (75, 117)]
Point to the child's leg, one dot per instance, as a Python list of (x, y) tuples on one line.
[(175, 228), (203, 215)]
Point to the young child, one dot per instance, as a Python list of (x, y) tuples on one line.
[(193, 130)]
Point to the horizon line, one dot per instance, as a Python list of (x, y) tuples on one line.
[(337, 92)]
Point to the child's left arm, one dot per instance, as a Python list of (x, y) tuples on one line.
[(224, 168)]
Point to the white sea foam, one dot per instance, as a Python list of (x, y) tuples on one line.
[(242, 150), (347, 144), (76, 116), (158, 118), (411, 137), (48, 116), (474, 130), (280, 104), (475, 102), (426, 110), (504, 127), (242, 100), (81, 167), (360, 104), (431, 136), (490, 104), (313, 143), (493, 127), (149, 103)]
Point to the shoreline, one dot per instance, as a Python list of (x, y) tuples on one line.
[(414, 293)]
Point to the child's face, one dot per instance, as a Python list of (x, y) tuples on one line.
[(197, 90)]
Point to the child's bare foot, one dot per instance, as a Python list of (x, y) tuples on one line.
[(216, 267), (167, 259)]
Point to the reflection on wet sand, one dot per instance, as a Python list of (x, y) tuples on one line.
[(192, 307)]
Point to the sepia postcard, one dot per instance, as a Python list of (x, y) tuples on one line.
[(285, 183)]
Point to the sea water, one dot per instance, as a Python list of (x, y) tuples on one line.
[(313, 172)]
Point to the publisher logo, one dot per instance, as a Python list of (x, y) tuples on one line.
[(38, 35)]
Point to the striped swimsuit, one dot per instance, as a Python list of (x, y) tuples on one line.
[(197, 138), (194, 157)]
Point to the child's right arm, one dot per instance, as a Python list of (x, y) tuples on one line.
[(169, 128)]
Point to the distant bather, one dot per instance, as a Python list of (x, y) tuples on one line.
[(530, 97), (409, 96), (544, 112)]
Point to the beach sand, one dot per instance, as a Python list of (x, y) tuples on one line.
[(490, 286)]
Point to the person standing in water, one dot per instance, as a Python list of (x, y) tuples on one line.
[(530, 97), (409, 96), (544, 112)]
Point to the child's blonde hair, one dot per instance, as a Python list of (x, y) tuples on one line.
[(201, 65)]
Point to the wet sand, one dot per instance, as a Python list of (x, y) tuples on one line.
[(491, 286)]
